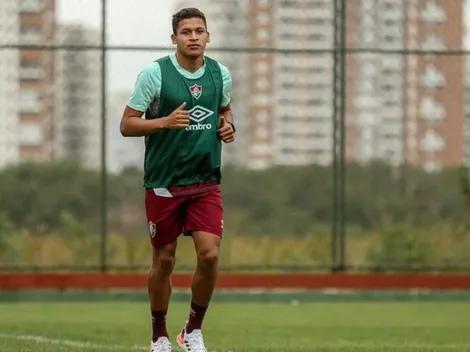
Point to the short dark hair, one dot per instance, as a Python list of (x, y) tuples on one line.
[(186, 14)]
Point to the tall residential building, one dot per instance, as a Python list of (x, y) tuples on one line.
[(36, 74), (439, 85), (406, 108), (9, 86), (226, 25), (399, 107), (467, 112), (290, 93), (376, 83), (77, 109)]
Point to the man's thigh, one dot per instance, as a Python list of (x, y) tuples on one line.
[(205, 213), (164, 217)]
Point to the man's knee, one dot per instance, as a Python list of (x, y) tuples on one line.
[(209, 257), (163, 262), (207, 249)]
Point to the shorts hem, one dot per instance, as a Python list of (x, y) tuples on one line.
[(188, 233), (166, 242)]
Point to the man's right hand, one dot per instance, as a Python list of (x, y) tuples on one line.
[(177, 119)]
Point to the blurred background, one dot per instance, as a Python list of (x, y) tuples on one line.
[(353, 133)]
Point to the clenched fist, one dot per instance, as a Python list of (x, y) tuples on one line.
[(226, 132)]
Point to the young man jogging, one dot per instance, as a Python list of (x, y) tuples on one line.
[(186, 101)]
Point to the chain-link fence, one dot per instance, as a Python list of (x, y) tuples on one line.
[(351, 147)]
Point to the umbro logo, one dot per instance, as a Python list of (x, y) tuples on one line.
[(199, 114)]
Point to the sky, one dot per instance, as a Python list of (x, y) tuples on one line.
[(128, 24), (148, 24)]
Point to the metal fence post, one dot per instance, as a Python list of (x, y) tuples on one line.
[(104, 179), (342, 117), (339, 134)]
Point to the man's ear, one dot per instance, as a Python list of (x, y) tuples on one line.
[(208, 37), (173, 39)]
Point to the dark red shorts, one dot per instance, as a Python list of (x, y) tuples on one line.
[(172, 215)]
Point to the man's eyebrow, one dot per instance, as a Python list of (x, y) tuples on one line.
[(188, 28)]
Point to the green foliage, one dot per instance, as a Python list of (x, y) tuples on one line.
[(401, 245), (277, 201), (421, 209), (7, 229)]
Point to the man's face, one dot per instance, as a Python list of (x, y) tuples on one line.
[(191, 37)]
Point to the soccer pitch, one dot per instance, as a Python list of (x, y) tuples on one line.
[(241, 327)]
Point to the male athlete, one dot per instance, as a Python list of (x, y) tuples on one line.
[(186, 100)]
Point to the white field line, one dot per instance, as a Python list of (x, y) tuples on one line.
[(70, 343), (89, 345)]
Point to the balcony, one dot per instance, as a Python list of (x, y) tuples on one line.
[(29, 101), (31, 135), (31, 73), (30, 38), (31, 6), (30, 109)]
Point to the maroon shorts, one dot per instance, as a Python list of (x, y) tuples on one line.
[(183, 210)]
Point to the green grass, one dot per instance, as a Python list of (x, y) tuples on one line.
[(242, 327)]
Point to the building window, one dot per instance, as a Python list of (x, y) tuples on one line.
[(262, 34), (262, 133), (31, 6), (433, 13), (30, 135), (258, 164), (260, 148), (432, 166), (27, 30), (262, 67), (432, 142), (261, 99), (29, 101), (262, 116), (262, 18), (432, 110), (262, 83), (433, 42), (432, 78)]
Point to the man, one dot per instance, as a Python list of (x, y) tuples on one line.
[(186, 100)]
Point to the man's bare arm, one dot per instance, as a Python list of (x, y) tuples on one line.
[(132, 124), (227, 113)]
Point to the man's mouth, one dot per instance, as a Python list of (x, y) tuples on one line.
[(194, 46)]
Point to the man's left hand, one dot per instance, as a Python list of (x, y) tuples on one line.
[(225, 131)]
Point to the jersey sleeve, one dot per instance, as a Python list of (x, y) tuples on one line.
[(227, 86), (147, 88)]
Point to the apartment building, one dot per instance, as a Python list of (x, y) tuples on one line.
[(399, 107), (36, 20), (77, 108), (406, 108), (467, 112), (9, 87), (440, 85), (290, 93)]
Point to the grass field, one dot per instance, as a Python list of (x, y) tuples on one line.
[(241, 327)]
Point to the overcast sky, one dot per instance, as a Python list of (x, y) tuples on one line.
[(128, 25), (146, 24)]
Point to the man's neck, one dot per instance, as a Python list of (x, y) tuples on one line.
[(190, 64)]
